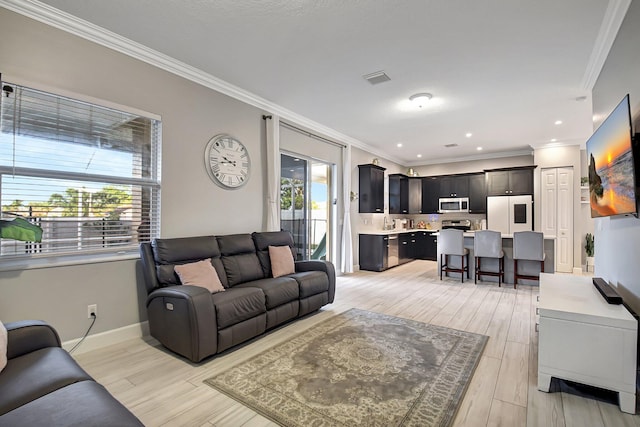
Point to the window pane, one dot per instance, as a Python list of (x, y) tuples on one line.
[(86, 174)]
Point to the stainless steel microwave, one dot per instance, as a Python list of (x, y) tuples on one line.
[(455, 204)]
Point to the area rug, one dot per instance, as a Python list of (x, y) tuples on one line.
[(359, 368)]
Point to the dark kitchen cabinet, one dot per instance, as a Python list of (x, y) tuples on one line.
[(415, 195), (371, 188), (406, 247), (454, 186), (430, 194), (398, 194), (426, 246), (373, 249), (509, 182), (477, 193)]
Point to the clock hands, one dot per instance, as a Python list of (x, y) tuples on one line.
[(232, 162)]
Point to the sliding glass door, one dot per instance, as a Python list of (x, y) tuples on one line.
[(306, 205)]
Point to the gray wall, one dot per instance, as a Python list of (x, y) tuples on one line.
[(191, 203), (617, 240)]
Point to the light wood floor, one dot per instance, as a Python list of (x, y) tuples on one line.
[(164, 390)]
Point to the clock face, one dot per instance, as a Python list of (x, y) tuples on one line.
[(227, 161)]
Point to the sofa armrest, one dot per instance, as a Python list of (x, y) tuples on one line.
[(320, 265), (183, 319), (29, 335)]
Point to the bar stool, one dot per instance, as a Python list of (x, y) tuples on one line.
[(527, 246), (451, 242), (488, 244)]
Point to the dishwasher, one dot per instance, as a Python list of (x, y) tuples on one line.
[(392, 252)]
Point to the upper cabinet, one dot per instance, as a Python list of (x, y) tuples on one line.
[(454, 186), (398, 194), (371, 188), (415, 195), (405, 194), (430, 194), (477, 193), (510, 182)]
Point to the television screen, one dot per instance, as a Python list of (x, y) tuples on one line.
[(612, 188)]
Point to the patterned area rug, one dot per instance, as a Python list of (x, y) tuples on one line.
[(359, 368)]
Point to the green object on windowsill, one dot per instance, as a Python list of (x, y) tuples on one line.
[(20, 229)]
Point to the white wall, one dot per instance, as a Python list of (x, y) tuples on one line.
[(473, 165), (191, 203), (617, 240)]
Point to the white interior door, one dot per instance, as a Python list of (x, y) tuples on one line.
[(564, 219), (557, 214)]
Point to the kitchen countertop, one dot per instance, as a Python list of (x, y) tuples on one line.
[(435, 233), (397, 231)]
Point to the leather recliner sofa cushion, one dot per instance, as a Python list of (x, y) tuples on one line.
[(36, 374), (238, 304), (277, 291), (85, 403), (311, 282), (239, 258)]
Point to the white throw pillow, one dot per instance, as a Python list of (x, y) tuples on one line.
[(3, 346)]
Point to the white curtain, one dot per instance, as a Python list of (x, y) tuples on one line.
[(273, 173), (347, 245)]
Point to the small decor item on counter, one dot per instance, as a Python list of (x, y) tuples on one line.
[(421, 225)]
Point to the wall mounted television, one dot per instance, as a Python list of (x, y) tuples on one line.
[(612, 185)]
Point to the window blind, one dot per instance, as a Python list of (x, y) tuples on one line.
[(88, 175)]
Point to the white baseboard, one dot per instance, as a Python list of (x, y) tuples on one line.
[(107, 338), (577, 270)]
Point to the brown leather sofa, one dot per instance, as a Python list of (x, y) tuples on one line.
[(194, 323), (42, 385)]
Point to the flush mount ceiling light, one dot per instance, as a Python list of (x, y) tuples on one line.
[(558, 122), (468, 135), (420, 99)]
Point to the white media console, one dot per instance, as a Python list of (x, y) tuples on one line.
[(584, 339)]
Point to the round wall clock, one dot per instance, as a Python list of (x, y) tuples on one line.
[(227, 161)]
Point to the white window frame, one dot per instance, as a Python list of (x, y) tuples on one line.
[(52, 259)]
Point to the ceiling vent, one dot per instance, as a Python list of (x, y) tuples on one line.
[(451, 145), (377, 77)]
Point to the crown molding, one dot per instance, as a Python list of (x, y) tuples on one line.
[(486, 156), (613, 17), (71, 24)]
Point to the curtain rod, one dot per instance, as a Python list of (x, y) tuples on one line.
[(311, 135)]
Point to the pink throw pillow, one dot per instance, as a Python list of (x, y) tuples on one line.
[(3, 346), (281, 261), (201, 274)]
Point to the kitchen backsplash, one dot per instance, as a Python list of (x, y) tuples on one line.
[(375, 222)]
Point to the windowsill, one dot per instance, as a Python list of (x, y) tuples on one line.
[(65, 260)]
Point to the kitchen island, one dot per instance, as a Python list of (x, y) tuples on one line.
[(488, 264)]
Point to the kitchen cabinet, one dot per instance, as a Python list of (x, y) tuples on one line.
[(454, 186), (374, 252), (371, 188), (510, 182), (405, 247), (426, 246), (415, 195), (430, 194), (477, 193), (398, 194)]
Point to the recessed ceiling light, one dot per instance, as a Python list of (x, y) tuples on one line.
[(399, 144), (420, 99), (468, 135), (479, 148), (558, 122), (419, 155), (553, 140)]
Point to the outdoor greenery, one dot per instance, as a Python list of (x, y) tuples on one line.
[(108, 203)]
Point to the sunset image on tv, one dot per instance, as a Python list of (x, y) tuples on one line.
[(611, 167)]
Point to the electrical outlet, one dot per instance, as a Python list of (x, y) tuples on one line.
[(92, 309)]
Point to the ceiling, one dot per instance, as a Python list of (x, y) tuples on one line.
[(504, 71)]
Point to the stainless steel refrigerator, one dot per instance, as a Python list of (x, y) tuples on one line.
[(508, 214)]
